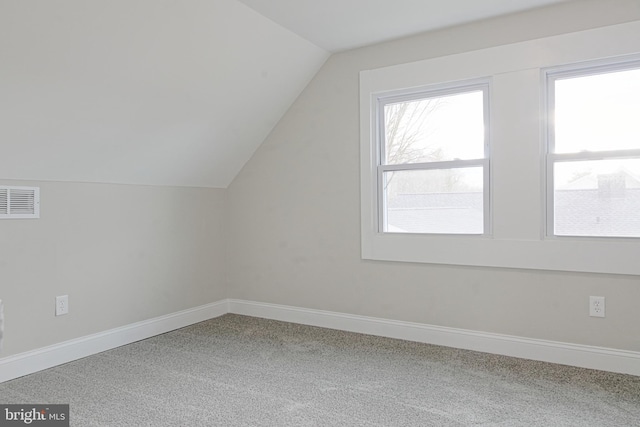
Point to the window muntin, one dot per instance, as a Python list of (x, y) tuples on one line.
[(433, 171), (593, 160)]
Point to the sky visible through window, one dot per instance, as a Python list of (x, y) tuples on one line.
[(451, 126), (597, 113)]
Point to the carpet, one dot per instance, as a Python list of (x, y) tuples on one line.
[(244, 371)]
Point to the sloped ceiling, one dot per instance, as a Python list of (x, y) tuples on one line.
[(167, 92), (338, 25), (158, 92)]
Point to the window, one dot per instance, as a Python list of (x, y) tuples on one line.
[(500, 157), (593, 159), (433, 174)]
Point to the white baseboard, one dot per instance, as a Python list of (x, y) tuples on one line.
[(605, 359), (47, 357)]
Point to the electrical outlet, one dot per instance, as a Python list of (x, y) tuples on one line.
[(596, 306), (62, 305)]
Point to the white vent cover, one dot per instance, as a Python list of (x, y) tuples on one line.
[(19, 202)]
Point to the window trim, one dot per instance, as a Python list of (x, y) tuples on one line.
[(517, 157), (549, 76), (378, 142)]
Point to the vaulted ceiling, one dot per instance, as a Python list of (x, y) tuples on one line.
[(338, 25), (165, 92)]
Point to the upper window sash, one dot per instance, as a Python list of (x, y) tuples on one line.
[(439, 91), (552, 75)]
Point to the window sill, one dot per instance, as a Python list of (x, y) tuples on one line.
[(610, 256)]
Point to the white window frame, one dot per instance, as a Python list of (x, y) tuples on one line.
[(518, 157), (415, 94), (550, 76)]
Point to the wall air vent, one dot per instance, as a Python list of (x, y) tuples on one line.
[(19, 202)]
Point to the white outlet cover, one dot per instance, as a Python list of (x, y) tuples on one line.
[(62, 305), (596, 306)]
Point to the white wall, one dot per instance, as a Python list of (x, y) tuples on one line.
[(294, 212), (149, 92), (122, 253)]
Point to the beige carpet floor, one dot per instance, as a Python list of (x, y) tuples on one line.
[(244, 371)]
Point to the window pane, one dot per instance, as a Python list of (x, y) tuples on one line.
[(597, 198), (447, 201), (598, 112), (435, 129)]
